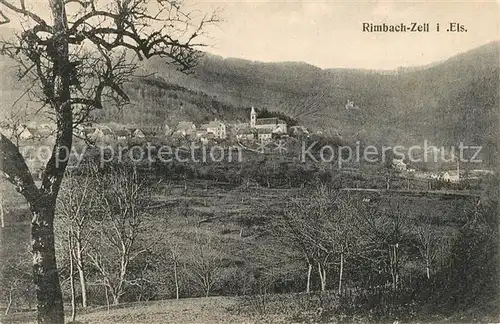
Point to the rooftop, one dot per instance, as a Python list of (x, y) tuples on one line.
[(269, 121)]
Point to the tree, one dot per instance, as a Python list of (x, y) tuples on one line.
[(76, 60), (74, 208), (321, 222), (385, 234), (289, 227), (427, 243), (301, 225), (338, 233), (205, 262), (124, 201)]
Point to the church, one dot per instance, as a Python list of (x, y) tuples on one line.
[(272, 125)]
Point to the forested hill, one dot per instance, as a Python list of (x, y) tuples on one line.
[(451, 101), (445, 103)]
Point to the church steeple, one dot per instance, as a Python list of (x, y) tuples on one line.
[(253, 117)]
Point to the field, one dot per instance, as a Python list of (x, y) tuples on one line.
[(189, 310), (239, 216), (223, 310)]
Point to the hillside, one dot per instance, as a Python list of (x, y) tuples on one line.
[(447, 102), (444, 103)]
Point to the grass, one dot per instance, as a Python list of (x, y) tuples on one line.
[(228, 310), (229, 210), (188, 310)]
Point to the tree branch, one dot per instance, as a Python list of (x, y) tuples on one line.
[(25, 12), (13, 165)]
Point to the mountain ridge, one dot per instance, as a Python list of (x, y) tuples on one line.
[(445, 102)]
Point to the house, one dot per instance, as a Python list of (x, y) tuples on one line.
[(265, 134), (217, 128), (450, 176), (122, 134), (138, 133), (245, 134), (276, 125), (350, 105), (205, 137), (26, 133), (185, 128), (399, 165), (99, 133), (299, 130)]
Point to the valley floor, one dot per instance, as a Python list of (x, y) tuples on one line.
[(225, 310), (186, 310)]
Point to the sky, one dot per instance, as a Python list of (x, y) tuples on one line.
[(329, 33)]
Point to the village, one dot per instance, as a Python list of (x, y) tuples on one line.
[(254, 132), (257, 129)]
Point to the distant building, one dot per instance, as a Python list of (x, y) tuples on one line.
[(216, 128), (265, 134), (299, 130), (122, 134), (138, 133), (274, 124), (245, 134), (185, 128), (99, 133), (350, 105), (25, 133), (450, 176), (399, 165)]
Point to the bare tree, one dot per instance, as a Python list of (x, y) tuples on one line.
[(385, 232), (301, 226), (124, 201), (204, 261), (289, 227), (428, 246), (74, 208), (76, 61), (338, 233)]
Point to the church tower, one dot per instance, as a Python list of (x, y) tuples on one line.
[(253, 118)]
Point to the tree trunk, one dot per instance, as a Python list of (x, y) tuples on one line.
[(72, 279), (9, 303), (81, 272), (309, 270), (322, 276), (45, 275), (107, 296), (2, 219), (427, 268), (341, 271), (176, 281), (116, 298)]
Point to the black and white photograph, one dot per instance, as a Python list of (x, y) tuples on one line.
[(249, 161)]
